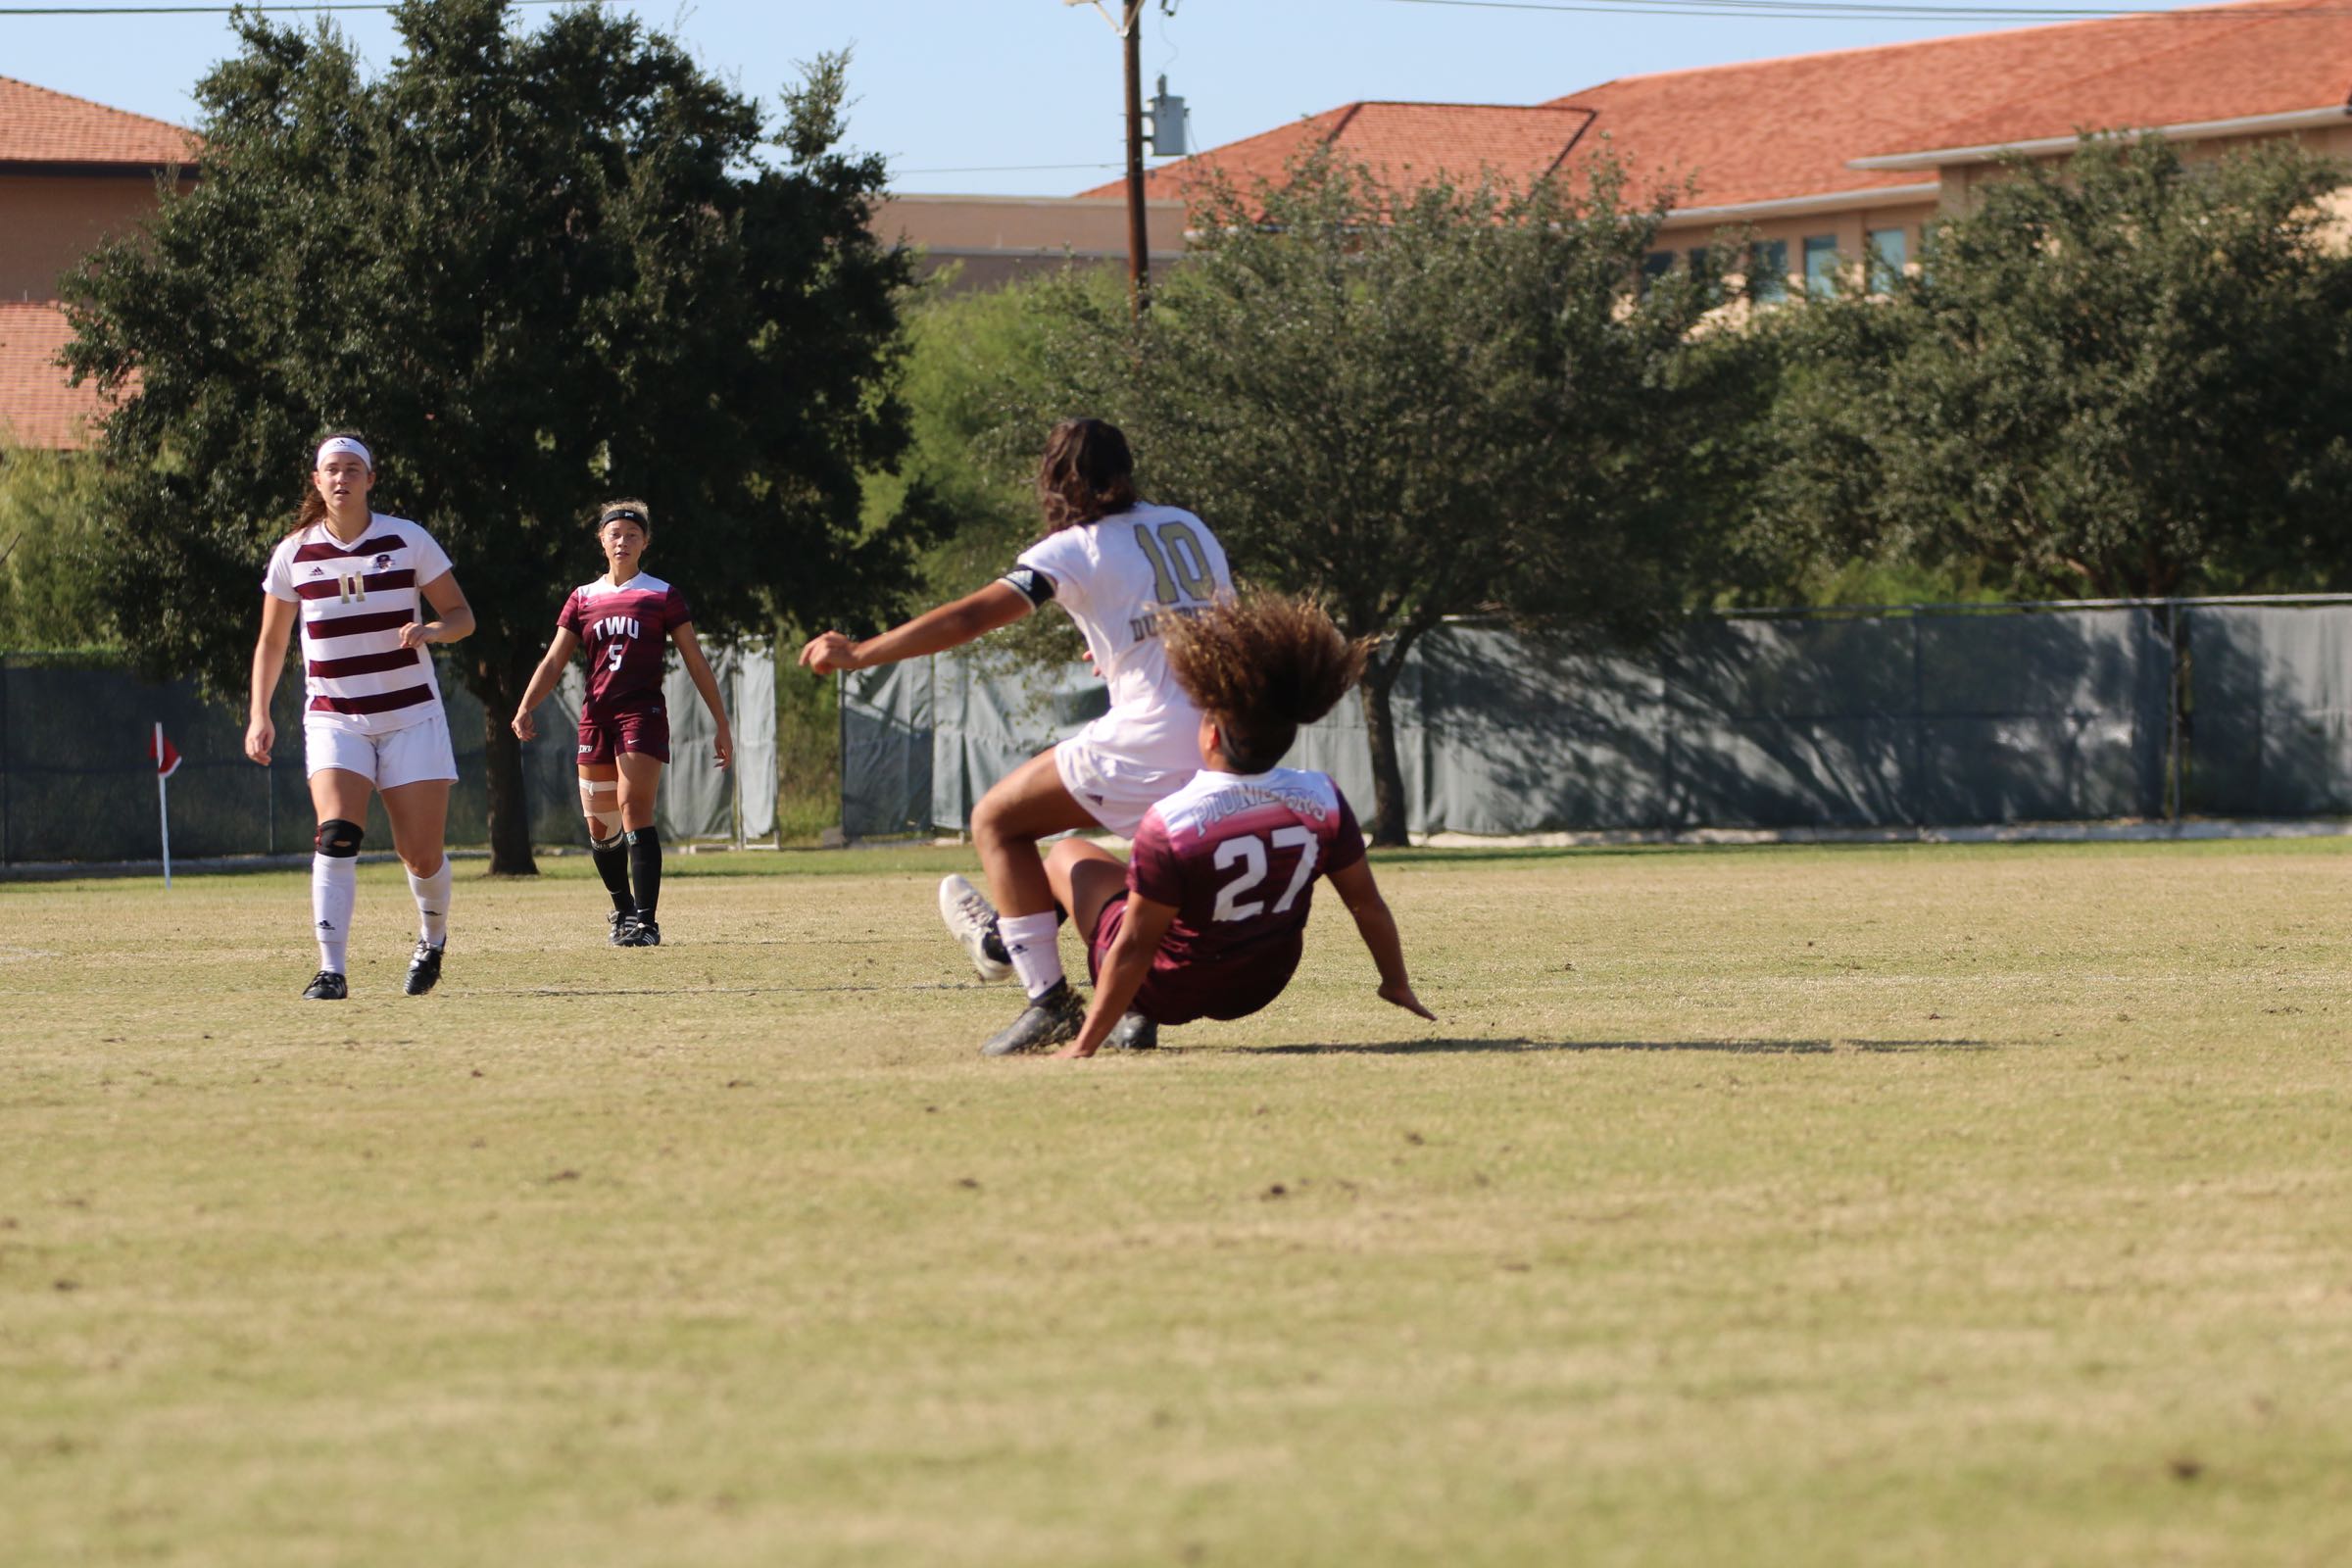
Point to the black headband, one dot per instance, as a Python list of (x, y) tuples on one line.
[(630, 512)]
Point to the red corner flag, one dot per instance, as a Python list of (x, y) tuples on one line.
[(164, 755)]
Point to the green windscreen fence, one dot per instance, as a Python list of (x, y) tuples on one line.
[(75, 783), (1996, 714)]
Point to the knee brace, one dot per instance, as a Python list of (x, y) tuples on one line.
[(337, 839), (604, 820)]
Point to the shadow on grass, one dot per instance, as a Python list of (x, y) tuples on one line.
[(1741, 1047)]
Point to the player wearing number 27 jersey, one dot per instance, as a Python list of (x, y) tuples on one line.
[(1237, 858)]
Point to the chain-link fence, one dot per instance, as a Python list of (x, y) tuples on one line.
[(76, 782), (1939, 716)]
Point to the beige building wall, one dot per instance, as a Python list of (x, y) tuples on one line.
[(994, 239), (47, 222)]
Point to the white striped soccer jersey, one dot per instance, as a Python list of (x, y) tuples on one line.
[(355, 599)]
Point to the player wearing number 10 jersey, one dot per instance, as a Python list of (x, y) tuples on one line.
[(1122, 567), (1206, 919)]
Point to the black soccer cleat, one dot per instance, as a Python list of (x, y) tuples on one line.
[(326, 986), (1133, 1032), (621, 927), (643, 933), (1047, 1020), (425, 970)]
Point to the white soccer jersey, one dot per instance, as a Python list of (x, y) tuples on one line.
[(355, 598), (1114, 577)]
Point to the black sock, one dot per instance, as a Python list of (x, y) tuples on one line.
[(611, 858), (645, 866)]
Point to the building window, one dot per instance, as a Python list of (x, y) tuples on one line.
[(1768, 271), (1889, 249), (1654, 266), (1821, 265)]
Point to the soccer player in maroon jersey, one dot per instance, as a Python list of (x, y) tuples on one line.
[(1205, 920), (357, 582), (623, 618)]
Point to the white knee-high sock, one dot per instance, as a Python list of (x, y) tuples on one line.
[(1035, 947), (334, 888), (432, 904)]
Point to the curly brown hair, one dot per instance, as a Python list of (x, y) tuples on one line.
[(1261, 666), (1085, 474)]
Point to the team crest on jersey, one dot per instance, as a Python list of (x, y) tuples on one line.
[(383, 562)]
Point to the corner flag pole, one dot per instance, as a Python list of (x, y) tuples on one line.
[(166, 760)]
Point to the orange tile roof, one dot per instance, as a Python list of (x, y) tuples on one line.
[(1773, 130), (42, 127), (1402, 141), (37, 408)]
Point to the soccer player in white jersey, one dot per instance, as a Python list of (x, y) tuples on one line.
[(1116, 564), (358, 582)]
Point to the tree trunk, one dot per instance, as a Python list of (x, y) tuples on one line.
[(1380, 729), (500, 690)]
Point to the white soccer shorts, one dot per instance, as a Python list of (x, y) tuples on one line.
[(1119, 787), (409, 754)]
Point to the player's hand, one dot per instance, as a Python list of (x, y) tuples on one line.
[(1071, 1052), (722, 749), (413, 635), (1402, 996), (524, 727), (827, 652), (260, 735)]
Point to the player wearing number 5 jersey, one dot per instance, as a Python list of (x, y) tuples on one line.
[(1121, 567), (625, 619), (1206, 919)]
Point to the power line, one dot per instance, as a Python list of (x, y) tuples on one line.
[(254, 6), (1001, 168), (1890, 10)]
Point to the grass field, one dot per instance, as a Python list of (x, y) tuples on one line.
[(1867, 1205)]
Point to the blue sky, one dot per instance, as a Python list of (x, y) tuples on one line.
[(1023, 96)]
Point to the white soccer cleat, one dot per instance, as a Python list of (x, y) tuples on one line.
[(971, 920)]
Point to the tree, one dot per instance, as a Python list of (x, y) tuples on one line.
[(52, 576), (1428, 401), (2122, 374), (535, 270)]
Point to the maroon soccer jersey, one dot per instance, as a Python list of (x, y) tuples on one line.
[(625, 630), (1238, 856)]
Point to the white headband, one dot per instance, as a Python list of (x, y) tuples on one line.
[(342, 443)]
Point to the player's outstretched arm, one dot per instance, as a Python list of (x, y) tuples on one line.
[(1378, 928), (697, 670), (543, 681), (269, 663), (1123, 970), (934, 631)]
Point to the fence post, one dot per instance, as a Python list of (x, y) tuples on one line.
[(6, 835), (2175, 772)]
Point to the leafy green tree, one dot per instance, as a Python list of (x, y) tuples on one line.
[(534, 270), (52, 578), (1415, 403), (2122, 374)]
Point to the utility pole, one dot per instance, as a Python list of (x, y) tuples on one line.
[(1139, 237)]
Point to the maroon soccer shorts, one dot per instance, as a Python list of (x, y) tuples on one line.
[(1230, 984), (604, 736)]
